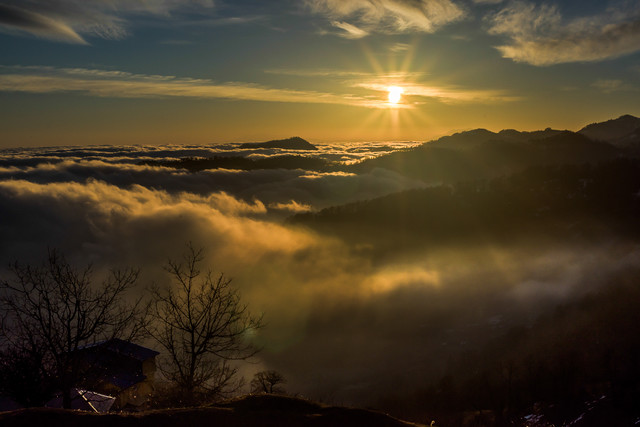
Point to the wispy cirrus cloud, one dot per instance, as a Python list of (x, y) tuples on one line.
[(400, 47), (539, 35), (612, 85), (350, 30), (120, 84), (72, 20), (362, 17)]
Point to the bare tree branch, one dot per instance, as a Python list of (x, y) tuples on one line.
[(268, 382), (202, 325)]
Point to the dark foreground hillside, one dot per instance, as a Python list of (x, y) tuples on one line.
[(264, 410)]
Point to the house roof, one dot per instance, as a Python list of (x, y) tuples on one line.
[(125, 348), (130, 349)]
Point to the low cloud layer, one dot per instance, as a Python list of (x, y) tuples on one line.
[(345, 152), (339, 321), (345, 323), (278, 188), (280, 270), (540, 35)]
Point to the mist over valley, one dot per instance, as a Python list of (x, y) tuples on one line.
[(480, 271)]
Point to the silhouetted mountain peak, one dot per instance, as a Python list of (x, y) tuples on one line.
[(612, 130), (293, 143), (465, 139), (625, 117)]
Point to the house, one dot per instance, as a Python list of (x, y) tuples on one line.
[(85, 401), (120, 369)]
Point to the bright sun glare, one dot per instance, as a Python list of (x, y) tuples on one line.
[(395, 94)]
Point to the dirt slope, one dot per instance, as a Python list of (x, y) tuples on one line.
[(264, 411)]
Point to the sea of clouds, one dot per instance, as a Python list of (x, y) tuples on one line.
[(343, 323)]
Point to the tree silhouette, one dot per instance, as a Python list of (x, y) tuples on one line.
[(267, 382), (202, 326), (23, 378), (55, 310)]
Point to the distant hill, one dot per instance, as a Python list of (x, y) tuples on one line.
[(464, 156), (469, 139), (250, 411), (551, 201), (614, 131), (479, 154), (294, 143)]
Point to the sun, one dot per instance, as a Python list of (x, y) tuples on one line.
[(395, 94)]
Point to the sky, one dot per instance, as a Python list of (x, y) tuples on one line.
[(161, 79), (77, 72)]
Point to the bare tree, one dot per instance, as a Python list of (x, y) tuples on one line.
[(55, 310), (23, 377), (203, 326), (267, 382)]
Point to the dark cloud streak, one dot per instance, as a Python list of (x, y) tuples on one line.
[(66, 20), (36, 24)]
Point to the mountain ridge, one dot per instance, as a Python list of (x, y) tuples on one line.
[(293, 143), (613, 130), (481, 154)]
